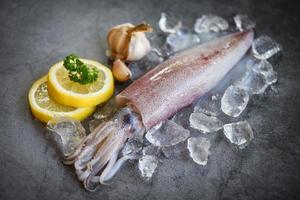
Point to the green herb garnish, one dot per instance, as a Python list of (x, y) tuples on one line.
[(78, 71)]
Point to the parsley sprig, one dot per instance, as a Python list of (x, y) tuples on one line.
[(78, 71)]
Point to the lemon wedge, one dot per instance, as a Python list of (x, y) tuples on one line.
[(45, 108), (70, 93)]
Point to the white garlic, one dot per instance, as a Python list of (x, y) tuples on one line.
[(127, 42), (120, 71)]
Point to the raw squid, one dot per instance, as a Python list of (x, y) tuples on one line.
[(153, 98)]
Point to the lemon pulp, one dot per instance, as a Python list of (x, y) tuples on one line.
[(66, 83), (43, 99), (44, 107), (70, 93)]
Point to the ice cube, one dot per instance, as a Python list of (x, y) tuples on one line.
[(70, 133), (239, 133), (208, 23), (253, 82), (151, 150), (205, 123), (199, 149), (132, 147), (147, 165), (169, 24), (243, 22), (106, 110), (208, 106), (155, 128), (159, 46), (181, 40), (265, 47), (234, 101), (265, 68), (169, 134)]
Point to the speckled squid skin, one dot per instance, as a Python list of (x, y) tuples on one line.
[(178, 81)]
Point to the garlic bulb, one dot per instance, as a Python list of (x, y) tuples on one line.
[(128, 42), (120, 71)]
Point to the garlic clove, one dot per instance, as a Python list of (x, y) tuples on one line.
[(139, 46), (120, 71)]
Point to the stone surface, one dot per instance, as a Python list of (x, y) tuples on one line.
[(36, 34)]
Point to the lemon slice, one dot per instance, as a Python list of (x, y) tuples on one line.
[(45, 108), (70, 93)]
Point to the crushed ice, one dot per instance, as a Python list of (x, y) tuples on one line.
[(132, 148), (168, 134), (171, 138), (265, 47), (182, 39), (205, 123), (147, 165), (234, 101), (70, 133), (208, 23), (106, 110), (264, 67), (243, 22), (199, 149), (168, 25), (208, 106), (253, 82), (239, 133)]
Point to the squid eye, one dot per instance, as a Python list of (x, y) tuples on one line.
[(127, 119)]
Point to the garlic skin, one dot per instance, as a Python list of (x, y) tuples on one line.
[(139, 46), (128, 42), (120, 71)]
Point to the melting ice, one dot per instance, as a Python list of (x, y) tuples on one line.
[(208, 23), (199, 149), (239, 133), (243, 22), (265, 47), (147, 165), (208, 106), (234, 101), (182, 39), (205, 123), (168, 134), (70, 133)]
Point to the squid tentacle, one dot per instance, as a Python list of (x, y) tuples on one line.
[(89, 152), (90, 138), (108, 168)]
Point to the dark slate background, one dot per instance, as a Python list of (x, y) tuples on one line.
[(36, 34)]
